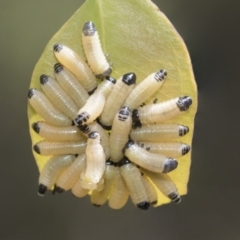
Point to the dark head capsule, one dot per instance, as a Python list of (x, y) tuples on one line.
[(36, 127), (58, 67), (129, 78), (43, 79), (184, 103), (57, 47), (89, 29), (159, 76), (42, 190), (30, 93), (143, 205)]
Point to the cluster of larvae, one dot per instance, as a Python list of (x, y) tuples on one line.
[(132, 159)]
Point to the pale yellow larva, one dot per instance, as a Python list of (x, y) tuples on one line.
[(51, 171), (78, 191), (165, 184), (52, 133), (171, 149), (119, 135), (118, 95), (150, 190), (47, 148), (71, 85), (133, 179), (98, 198), (152, 162), (95, 162), (145, 89), (158, 132), (70, 176), (155, 113), (119, 194), (93, 51), (46, 110), (95, 103), (58, 96), (73, 62)]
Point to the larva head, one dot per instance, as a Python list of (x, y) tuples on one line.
[(36, 127), (183, 130), (36, 149), (127, 145), (123, 161), (58, 68), (124, 113), (43, 79), (143, 205), (94, 135), (129, 78), (82, 118), (42, 190), (57, 47), (89, 29), (160, 75), (31, 92), (136, 120), (184, 103), (111, 79), (175, 197), (104, 74), (170, 165), (185, 149), (58, 189), (109, 162)]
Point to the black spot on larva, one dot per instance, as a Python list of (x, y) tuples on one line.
[(36, 149), (175, 197), (154, 203), (43, 79), (59, 189), (111, 79), (92, 91), (148, 148), (57, 47), (129, 78), (42, 190), (123, 161), (104, 74), (185, 149), (170, 165), (104, 126), (109, 162), (96, 205), (136, 120), (36, 127), (184, 103), (183, 130), (84, 128), (155, 101), (159, 76), (89, 29), (127, 145), (143, 205), (30, 93), (93, 135), (73, 123), (58, 67), (76, 155), (82, 118)]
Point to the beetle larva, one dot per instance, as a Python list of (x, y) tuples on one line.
[(93, 51), (152, 162), (145, 89), (98, 198), (133, 179), (95, 162), (76, 65), (70, 176), (150, 190), (51, 171), (78, 191), (71, 85), (116, 98), (95, 103), (47, 148), (58, 96), (119, 194), (53, 133), (122, 125), (158, 132), (165, 184), (46, 110), (155, 113), (171, 149)]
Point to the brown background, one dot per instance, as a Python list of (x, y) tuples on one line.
[(211, 29)]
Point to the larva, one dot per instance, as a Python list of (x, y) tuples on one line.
[(98, 198), (165, 184), (119, 194), (145, 89), (95, 162), (133, 179), (70, 176), (171, 149), (152, 162), (51, 171), (150, 190), (47, 148), (46, 110), (78, 191), (118, 95), (53, 133), (77, 66), (155, 113), (93, 51), (71, 85), (95, 103), (158, 132), (122, 125)]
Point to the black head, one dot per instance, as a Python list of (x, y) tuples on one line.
[(129, 78)]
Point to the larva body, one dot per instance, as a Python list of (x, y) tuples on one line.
[(58, 96), (51, 171), (78, 191), (155, 113), (165, 184), (171, 149), (150, 190), (158, 132), (71, 85), (93, 51), (95, 162), (133, 179), (46, 110), (52, 133), (47, 148), (152, 162), (122, 125), (71, 175), (145, 89), (73, 62), (116, 98)]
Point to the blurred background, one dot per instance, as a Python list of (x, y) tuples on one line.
[(211, 30)]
